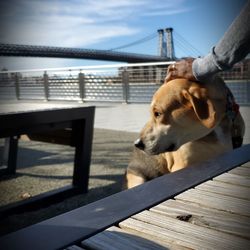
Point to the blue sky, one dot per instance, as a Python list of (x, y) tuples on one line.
[(109, 24)]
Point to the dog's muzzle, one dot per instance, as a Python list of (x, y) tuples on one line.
[(139, 144)]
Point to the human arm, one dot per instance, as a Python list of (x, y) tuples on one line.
[(233, 47)]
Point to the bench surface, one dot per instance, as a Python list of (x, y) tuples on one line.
[(80, 224)]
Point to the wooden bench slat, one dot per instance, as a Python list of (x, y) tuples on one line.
[(115, 238), (225, 189), (242, 171), (207, 217), (246, 165), (233, 179), (163, 234), (74, 248), (216, 201)]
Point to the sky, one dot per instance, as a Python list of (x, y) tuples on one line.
[(108, 24)]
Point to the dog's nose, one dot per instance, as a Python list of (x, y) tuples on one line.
[(139, 144)]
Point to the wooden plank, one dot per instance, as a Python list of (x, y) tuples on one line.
[(93, 218), (115, 238), (242, 171), (246, 165), (224, 188), (206, 217), (74, 248), (233, 179), (162, 234), (165, 244), (216, 201), (210, 238)]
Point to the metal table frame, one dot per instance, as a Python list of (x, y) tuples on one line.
[(79, 119)]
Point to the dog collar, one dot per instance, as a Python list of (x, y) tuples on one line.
[(232, 108)]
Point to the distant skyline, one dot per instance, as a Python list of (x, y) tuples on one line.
[(109, 24)]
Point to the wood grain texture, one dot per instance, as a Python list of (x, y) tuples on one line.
[(210, 238), (206, 217), (234, 179), (226, 189), (216, 201)]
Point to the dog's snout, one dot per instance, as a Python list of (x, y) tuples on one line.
[(139, 144)]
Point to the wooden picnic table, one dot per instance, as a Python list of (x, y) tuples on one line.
[(80, 120), (200, 207)]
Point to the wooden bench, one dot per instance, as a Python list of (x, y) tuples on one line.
[(78, 120), (80, 227)]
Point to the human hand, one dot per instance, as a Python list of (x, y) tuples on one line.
[(181, 69)]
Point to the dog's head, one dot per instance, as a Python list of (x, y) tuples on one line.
[(181, 111)]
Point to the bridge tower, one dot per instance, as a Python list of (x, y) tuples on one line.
[(166, 44), (170, 43), (161, 42)]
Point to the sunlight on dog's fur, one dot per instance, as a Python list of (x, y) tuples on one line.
[(189, 123)]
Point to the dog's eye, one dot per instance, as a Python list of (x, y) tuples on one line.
[(157, 114)]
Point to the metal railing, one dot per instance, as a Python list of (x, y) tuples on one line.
[(128, 83)]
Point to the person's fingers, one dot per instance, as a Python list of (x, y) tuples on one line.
[(180, 69), (171, 72), (171, 75), (168, 77)]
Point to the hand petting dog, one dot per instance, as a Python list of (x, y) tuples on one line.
[(181, 69)]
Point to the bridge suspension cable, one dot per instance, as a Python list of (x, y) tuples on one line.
[(139, 41), (186, 46)]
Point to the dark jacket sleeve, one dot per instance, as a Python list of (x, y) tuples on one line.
[(233, 47)]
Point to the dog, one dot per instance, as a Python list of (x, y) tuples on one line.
[(190, 122)]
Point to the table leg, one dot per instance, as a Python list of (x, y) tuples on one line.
[(10, 155), (82, 136)]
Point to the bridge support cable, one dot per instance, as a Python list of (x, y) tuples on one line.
[(139, 41), (186, 46)]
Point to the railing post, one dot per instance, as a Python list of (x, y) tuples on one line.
[(81, 83), (125, 85), (151, 74), (158, 75), (17, 87), (46, 86)]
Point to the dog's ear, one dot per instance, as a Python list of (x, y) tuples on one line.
[(202, 105)]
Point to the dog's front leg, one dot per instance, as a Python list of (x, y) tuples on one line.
[(132, 180)]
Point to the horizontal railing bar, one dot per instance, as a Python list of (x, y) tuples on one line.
[(90, 67)]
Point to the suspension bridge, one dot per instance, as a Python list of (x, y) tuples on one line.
[(166, 51)]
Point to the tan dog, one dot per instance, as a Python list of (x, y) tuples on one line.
[(190, 122)]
